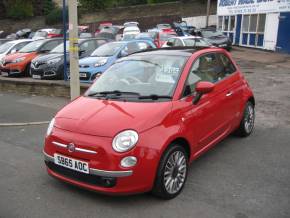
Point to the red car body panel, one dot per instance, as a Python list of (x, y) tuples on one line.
[(92, 124)]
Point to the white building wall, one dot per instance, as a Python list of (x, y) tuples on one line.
[(200, 21)]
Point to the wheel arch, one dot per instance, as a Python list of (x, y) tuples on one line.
[(252, 100), (182, 142)]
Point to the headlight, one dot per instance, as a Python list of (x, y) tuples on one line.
[(101, 62), (125, 140), (19, 60), (50, 127), (53, 61)]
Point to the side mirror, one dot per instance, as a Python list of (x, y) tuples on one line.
[(169, 43), (202, 88)]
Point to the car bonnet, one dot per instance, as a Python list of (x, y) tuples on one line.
[(107, 118)]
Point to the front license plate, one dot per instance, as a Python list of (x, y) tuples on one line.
[(4, 74), (223, 45), (71, 163), (83, 75), (36, 76)]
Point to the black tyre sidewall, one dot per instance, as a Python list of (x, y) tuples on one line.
[(159, 189), (241, 131)]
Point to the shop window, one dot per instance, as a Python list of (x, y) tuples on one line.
[(253, 22), (246, 21), (232, 23), (261, 24), (226, 23), (220, 23)]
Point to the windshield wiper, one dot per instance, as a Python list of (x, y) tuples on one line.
[(154, 97), (115, 92)]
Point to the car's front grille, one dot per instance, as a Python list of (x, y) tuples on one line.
[(107, 182)]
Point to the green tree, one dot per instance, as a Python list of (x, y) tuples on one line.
[(18, 9), (48, 6)]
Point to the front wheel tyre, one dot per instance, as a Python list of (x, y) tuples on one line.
[(247, 123), (172, 173)]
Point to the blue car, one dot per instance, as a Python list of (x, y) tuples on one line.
[(103, 57)]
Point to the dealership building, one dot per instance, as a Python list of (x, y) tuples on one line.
[(261, 24)]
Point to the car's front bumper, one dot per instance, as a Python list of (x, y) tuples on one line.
[(46, 71), (106, 175)]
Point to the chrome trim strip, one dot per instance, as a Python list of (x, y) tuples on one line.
[(77, 149), (97, 172)]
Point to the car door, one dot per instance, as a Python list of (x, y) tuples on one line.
[(207, 121), (234, 86)]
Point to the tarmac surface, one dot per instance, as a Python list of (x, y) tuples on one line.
[(238, 178)]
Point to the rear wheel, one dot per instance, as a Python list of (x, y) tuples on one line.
[(172, 172), (247, 123)]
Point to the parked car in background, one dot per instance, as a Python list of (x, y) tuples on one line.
[(151, 36), (23, 33), (18, 64), (194, 41), (104, 56), (160, 37), (51, 65), (183, 29), (3, 41), (161, 26), (130, 24), (12, 47), (146, 119), (101, 26), (130, 32), (86, 35), (47, 33), (215, 37)]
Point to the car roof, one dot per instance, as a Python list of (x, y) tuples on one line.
[(187, 37), (21, 40), (171, 51)]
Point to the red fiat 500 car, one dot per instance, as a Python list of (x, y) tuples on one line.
[(142, 123)]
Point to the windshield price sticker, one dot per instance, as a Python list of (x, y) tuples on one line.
[(169, 70)]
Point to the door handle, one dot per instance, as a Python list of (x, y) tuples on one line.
[(229, 94)]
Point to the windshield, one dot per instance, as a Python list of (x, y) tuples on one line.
[(143, 75), (31, 47), (107, 50), (196, 42), (211, 33), (5, 47), (59, 48)]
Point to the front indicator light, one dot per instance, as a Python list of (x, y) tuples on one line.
[(50, 127), (129, 161)]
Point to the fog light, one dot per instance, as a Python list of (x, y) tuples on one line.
[(128, 161)]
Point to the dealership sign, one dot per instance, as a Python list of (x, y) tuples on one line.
[(229, 7)]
